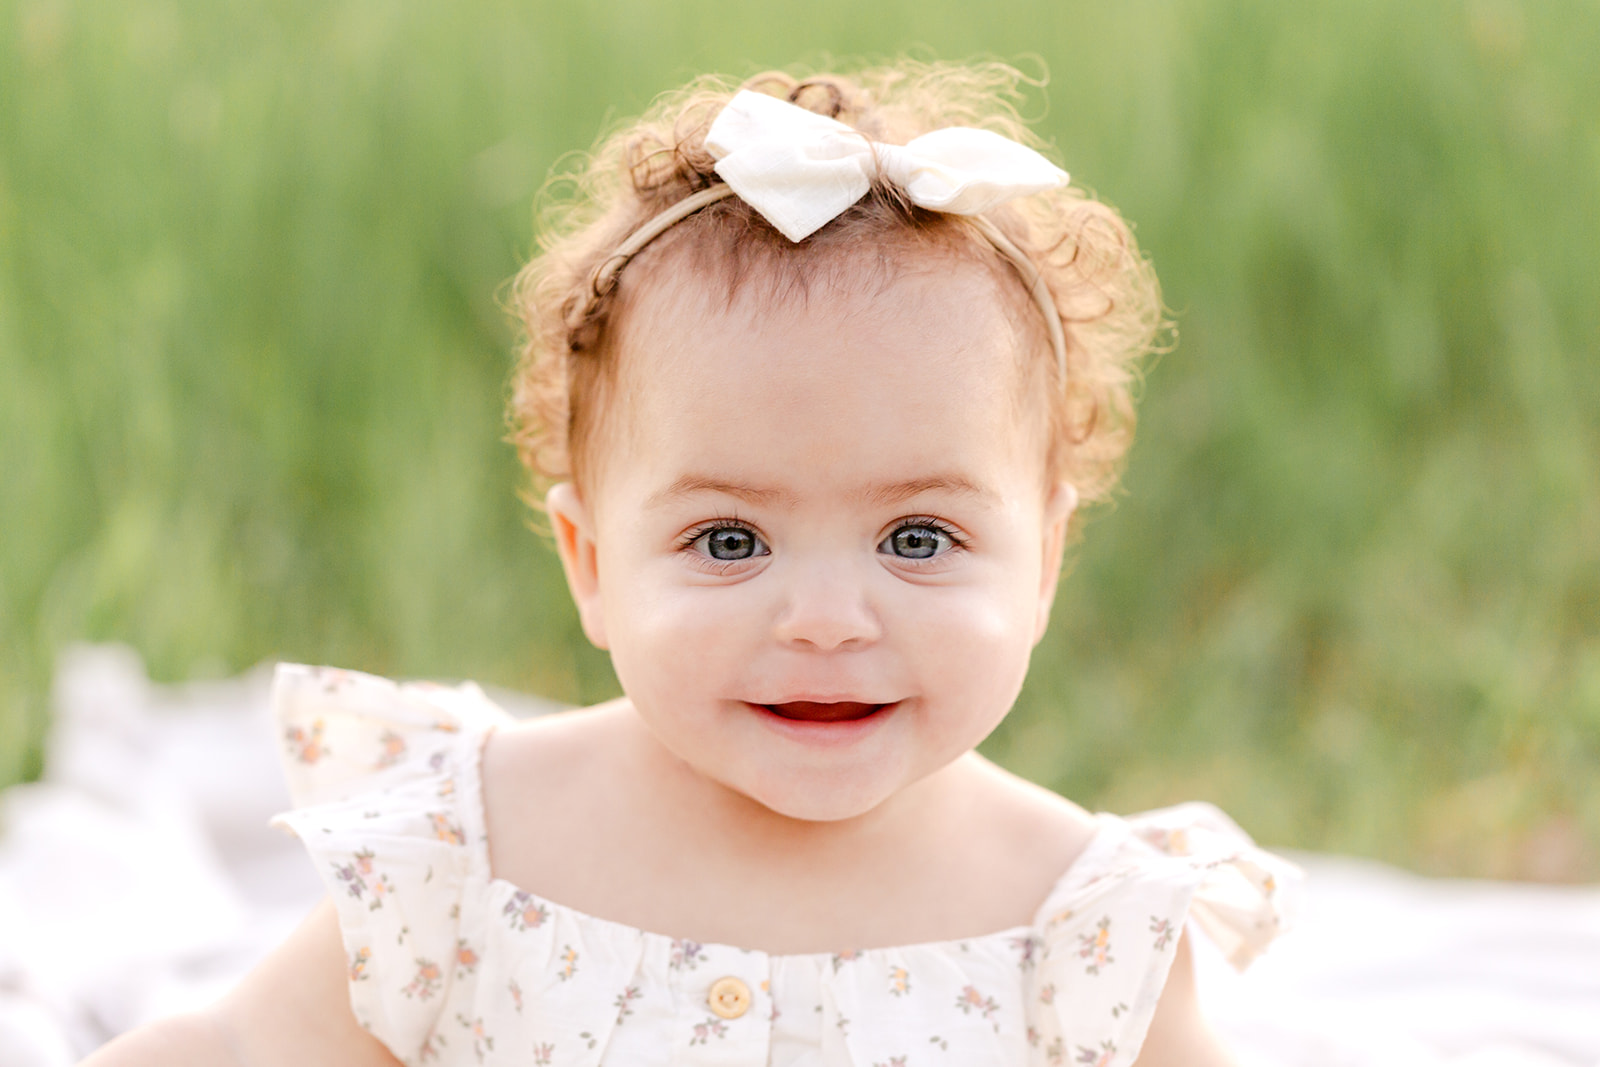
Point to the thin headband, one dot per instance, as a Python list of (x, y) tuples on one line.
[(800, 170)]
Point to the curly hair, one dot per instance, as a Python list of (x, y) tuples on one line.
[(1104, 289)]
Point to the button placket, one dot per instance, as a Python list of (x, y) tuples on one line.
[(732, 1003)]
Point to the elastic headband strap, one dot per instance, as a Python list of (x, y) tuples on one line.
[(604, 278)]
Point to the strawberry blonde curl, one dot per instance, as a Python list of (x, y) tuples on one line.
[(1103, 288)]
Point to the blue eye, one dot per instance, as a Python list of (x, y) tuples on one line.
[(729, 544), (917, 540)]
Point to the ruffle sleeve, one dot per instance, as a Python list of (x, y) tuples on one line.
[(1110, 933), (384, 781)]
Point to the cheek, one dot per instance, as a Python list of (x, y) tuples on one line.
[(976, 641), (665, 635)]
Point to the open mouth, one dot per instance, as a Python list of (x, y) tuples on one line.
[(809, 711)]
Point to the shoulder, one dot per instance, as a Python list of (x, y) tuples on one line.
[(1015, 817), (384, 776), (1115, 947), (343, 732), (551, 786), (550, 753), (999, 844)]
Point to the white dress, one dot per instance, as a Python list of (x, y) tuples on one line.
[(451, 965)]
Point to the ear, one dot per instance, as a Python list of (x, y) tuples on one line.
[(575, 543), (1058, 509)]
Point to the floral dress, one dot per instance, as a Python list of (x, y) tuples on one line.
[(450, 965)]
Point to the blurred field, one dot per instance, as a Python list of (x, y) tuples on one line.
[(252, 364)]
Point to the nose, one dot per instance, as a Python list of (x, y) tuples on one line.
[(826, 608)]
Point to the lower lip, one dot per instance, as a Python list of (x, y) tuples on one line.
[(825, 734)]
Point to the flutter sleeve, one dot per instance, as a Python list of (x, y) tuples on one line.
[(383, 777), (1111, 933)]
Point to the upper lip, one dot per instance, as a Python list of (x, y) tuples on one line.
[(813, 698)]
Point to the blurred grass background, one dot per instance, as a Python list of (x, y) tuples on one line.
[(252, 365)]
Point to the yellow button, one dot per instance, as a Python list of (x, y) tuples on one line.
[(729, 997)]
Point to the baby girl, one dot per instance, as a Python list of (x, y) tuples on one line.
[(818, 376)]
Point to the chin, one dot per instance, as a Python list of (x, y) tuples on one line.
[(814, 801)]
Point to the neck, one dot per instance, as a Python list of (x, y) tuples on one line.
[(925, 808)]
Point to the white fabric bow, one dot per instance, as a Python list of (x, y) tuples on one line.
[(800, 169)]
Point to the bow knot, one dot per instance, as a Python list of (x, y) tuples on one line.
[(800, 170)]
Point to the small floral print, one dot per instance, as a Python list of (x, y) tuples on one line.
[(1047, 993), (772, 1016), (446, 725), (1269, 885), (624, 1002), (427, 982), (432, 1045), (1097, 1057), (685, 955), (1027, 948), (842, 958), (942, 1044), (445, 830), (1096, 946), (1119, 1010), (516, 995), (436, 762), (569, 962), (525, 912), (704, 1032), (1059, 917), (358, 877), (447, 789), (1172, 842), (1163, 930), (466, 959), (392, 748), (306, 745), (1033, 1037), (892, 1061), (899, 981), (358, 964), (542, 1054), (1056, 1051), (970, 1000), (482, 1041)]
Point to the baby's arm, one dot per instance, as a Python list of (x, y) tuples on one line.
[(291, 1011), (1179, 1035)]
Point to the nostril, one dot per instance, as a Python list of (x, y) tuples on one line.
[(828, 621)]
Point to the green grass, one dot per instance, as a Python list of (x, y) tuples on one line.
[(252, 364)]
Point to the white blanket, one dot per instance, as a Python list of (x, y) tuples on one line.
[(139, 878)]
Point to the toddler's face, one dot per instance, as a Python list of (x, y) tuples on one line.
[(818, 544)]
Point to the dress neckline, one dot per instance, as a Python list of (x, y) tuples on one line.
[(1108, 833)]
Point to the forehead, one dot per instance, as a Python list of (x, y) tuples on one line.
[(884, 376)]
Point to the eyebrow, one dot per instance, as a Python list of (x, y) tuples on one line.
[(899, 492), (692, 484), (880, 495)]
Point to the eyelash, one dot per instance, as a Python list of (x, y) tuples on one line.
[(709, 563), (696, 532), (957, 539)]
